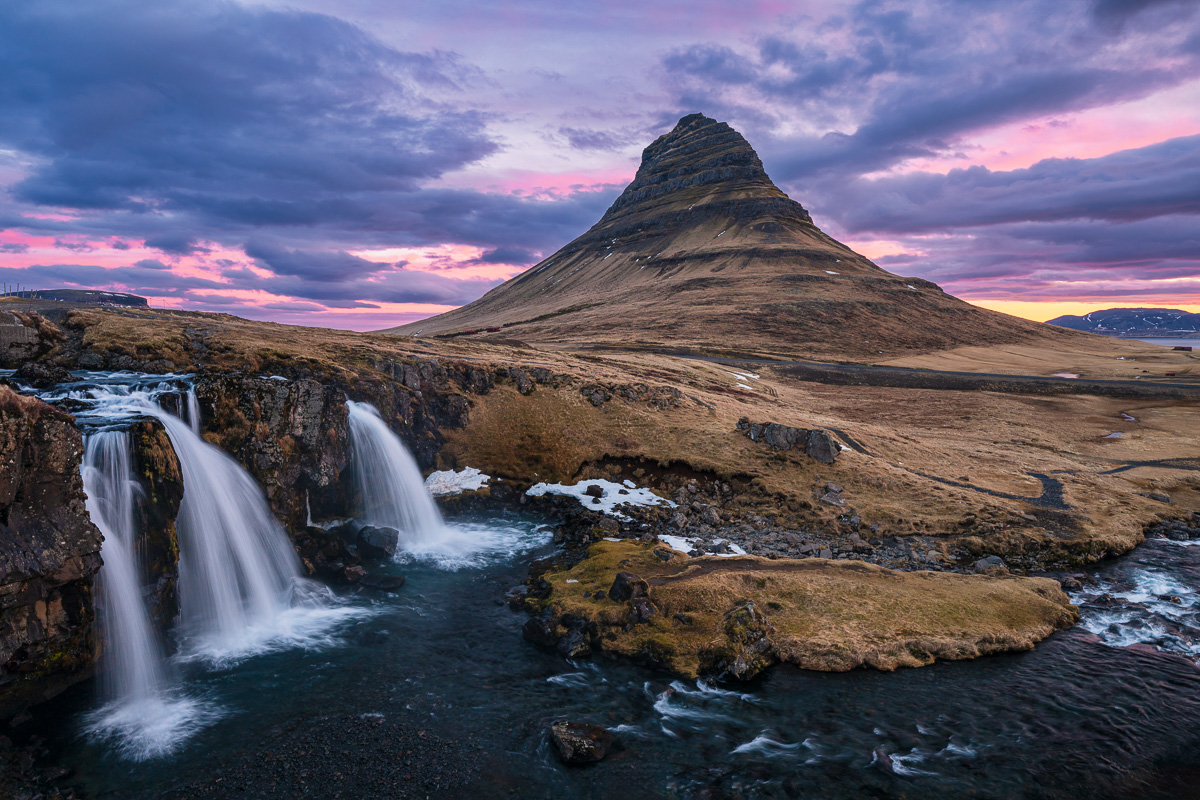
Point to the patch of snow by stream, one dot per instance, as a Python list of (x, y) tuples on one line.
[(613, 495), (448, 482)]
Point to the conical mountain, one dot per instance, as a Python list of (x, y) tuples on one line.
[(702, 252)]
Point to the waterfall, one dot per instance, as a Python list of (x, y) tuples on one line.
[(132, 668), (143, 716), (192, 410), (237, 568), (390, 487)]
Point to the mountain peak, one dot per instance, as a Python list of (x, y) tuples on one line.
[(700, 160), (703, 252)]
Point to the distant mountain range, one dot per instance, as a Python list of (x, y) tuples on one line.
[(81, 296), (1134, 322)]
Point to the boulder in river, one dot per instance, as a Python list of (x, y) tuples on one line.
[(580, 743), (40, 376), (382, 583), (378, 542)]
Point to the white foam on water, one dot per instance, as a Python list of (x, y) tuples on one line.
[(764, 745), (142, 728), (471, 544), (311, 623), (905, 765)]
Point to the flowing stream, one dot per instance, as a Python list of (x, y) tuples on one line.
[(430, 691)]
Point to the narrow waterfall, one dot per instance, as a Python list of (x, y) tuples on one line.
[(192, 410), (389, 483), (236, 565), (132, 660)]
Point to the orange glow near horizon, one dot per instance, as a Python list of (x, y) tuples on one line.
[(1047, 310)]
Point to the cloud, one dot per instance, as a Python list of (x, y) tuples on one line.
[(890, 81), (1161, 179)]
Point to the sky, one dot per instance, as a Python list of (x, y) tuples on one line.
[(364, 163)]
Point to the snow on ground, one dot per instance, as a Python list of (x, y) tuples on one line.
[(613, 495), (447, 482), (831, 272), (681, 543), (686, 544)]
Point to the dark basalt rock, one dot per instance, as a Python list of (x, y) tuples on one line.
[(41, 375), (822, 446), (579, 743), (376, 542), (49, 555), (627, 586), (818, 444), (749, 649), (382, 583)]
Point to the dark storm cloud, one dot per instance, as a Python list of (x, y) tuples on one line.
[(1162, 179), (180, 121), (892, 81), (184, 106), (174, 244)]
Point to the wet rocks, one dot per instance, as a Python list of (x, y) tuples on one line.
[(748, 650), (382, 583), (40, 375), (49, 554), (378, 542), (579, 743)]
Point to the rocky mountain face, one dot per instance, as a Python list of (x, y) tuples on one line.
[(703, 252), (1166, 322), (49, 554)]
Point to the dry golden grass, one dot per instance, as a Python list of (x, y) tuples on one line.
[(917, 439), (826, 615)]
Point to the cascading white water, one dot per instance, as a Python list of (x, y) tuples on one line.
[(192, 409), (239, 587), (132, 668), (390, 486), (144, 717), (236, 565), (393, 494)]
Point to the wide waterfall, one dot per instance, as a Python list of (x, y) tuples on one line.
[(142, 716), (240, 590), (236, 565)]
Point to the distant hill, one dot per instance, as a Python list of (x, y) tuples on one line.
[(82, 297), (702, 252), (1166, 322)]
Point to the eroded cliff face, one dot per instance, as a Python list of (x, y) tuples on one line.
[(157, 470), (293, 437), (49, 554)]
